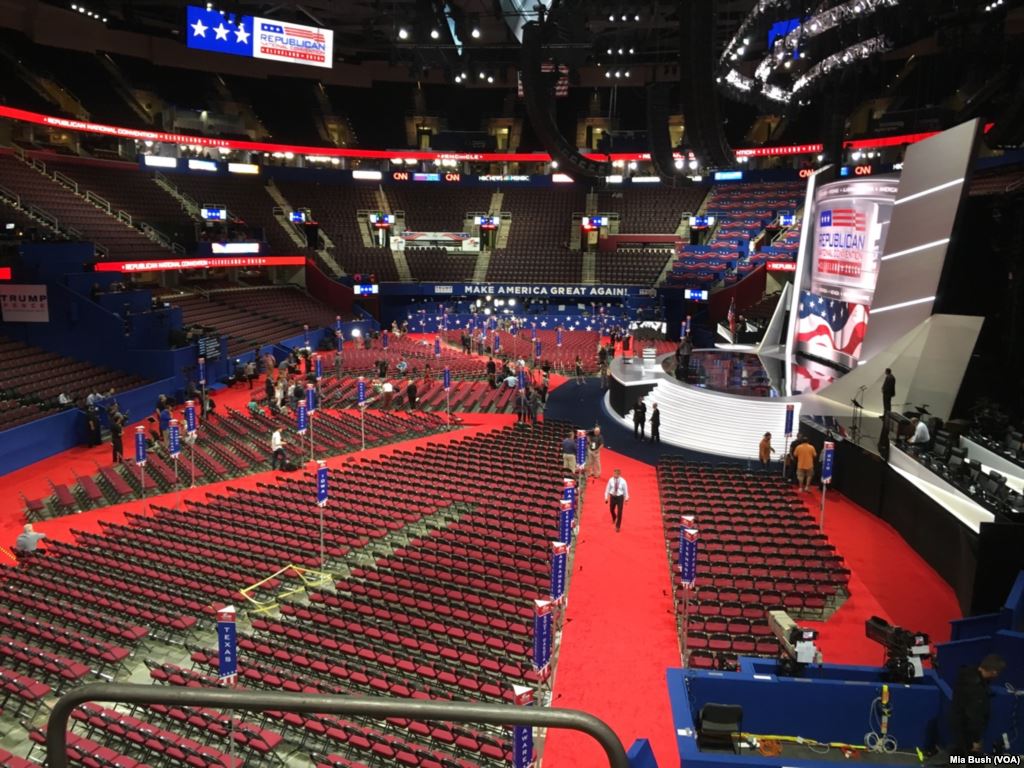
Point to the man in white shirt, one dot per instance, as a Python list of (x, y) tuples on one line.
[(920, 437), (616, 493), (276, 450)]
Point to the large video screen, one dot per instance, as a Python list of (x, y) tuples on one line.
[(210, 29), (851, 221)]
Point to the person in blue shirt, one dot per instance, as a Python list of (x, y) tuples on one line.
[(165, 422)]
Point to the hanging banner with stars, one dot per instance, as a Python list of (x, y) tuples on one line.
[(258, 38)]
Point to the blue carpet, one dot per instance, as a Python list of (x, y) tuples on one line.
[(581, 405)]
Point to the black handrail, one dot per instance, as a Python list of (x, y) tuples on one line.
[(375, 707)]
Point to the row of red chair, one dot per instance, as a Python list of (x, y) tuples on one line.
[(760, 549)]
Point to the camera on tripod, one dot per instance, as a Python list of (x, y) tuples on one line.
[(905, 651)]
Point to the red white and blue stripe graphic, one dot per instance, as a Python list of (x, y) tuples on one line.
[(846, 218)]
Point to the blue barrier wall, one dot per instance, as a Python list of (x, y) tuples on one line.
[(814, 707), (44, 437)]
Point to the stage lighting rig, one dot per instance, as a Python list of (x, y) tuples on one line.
[(798, 646), (905, 651)]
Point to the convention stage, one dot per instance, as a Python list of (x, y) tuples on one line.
[(728, 401), (731, 398)]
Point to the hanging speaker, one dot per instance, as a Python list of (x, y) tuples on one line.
[(697, 81), (659, 106), (538, 93)]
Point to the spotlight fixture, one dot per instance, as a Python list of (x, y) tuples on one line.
[(679, 164), (403, 33), (693, 165), (611, 17), (554, 164), (626, 73), (458, 78), (490, 79), (434, 34), (608, 73), (637, 17), (475, 33), (631, 51), (483, 75), (621, 51), (609, 51), (625, 17)]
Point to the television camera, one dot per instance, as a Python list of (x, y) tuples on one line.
[(798, 646), (905, 651)]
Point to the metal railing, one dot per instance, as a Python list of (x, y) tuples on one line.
[(375, 707)]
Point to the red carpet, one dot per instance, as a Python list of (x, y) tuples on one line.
[(620, 634), (890, 579)]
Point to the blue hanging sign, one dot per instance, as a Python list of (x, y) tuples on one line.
[(533, 331), (174, 439), (202, 371), (497, 343), (227, 646), (513, 329), (385, 339), (305, 336), (789, 420), (827, 460), (301, 418), (341, 342), (321, 484), (542, 633), (558, 337), (361, 390), (521, 377), (337, 324), (318, 367), (565, 516), (688, 556), (190, 417), (140, 446), (522, 735), (437, 346), (559, 553), (446, 378), (310, 399), (581, 449)]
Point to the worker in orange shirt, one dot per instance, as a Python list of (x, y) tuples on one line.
[(805, 455)]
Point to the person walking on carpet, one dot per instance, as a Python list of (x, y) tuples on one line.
[(616, 494)]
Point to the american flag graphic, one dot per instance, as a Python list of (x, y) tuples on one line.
[(847, 218), (810, 376), (562, 84), (316, 35), (826, 326)]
